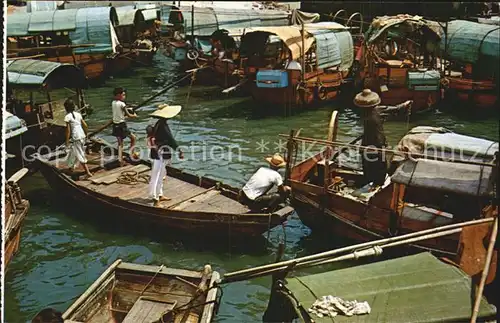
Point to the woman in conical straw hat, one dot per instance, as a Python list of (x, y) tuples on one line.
[(163, 144), (374, 165), (255, 192)]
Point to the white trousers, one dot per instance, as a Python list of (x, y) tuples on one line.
[(77, 153), (156, 182)]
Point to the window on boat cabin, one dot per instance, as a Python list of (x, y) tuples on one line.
[(461, 206)]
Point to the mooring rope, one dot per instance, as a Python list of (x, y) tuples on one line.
[(132, 178)]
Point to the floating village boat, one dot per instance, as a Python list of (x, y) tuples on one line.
[(294, 65), (134, 293), (421, 194), (36, 94), (198, 204), (187, 30), (472, 75), (16, 208), (84, 37), (137, 31), (400, 60)]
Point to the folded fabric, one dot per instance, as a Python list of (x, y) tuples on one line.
[(332, 306)]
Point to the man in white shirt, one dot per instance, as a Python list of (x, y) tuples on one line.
[(254, 193), (120, 129)]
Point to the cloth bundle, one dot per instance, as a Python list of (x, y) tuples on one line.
[(332, 306)]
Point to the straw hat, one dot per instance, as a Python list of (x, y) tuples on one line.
[(166, 111), (367, 99), (276, 160)]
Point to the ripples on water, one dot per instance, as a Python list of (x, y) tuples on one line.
[(61, 256)]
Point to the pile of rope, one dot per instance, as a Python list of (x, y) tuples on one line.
[(132, 178)]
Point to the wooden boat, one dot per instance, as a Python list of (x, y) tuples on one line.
[(16, 208), (189, 28), (84, 37), (296, 66), (473, 52), (421, 194), (36, 94), (439, 291), (399, 57), (134, 22), (199, 204), (134, 293)]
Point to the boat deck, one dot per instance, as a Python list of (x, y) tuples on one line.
[(184, 196)]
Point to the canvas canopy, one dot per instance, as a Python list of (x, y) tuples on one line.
[(36, 73), (442, 142), (416, 288), (334, 46), (93, 25), (468, 179), (14, 126), (401, 24), (471, 42)]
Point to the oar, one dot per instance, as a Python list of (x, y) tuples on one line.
[(110, 122), (232, 88)]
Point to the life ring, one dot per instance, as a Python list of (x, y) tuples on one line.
[(322, 93), (333, 127), (391, 48), (192, 54)]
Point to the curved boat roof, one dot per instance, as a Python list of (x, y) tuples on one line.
[(44, 74), (91, 25), (129, 15)]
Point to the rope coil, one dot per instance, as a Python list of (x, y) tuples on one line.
[(132, 178)]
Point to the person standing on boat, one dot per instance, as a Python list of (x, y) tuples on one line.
[(120, 129), (162, 143), (374, 165), (254, 193), (76, 129)]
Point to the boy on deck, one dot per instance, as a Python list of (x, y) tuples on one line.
[(120, 129)]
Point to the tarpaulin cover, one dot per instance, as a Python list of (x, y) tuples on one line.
[(301, 17), (469, 42), (432, 140), (417, 288), (32, 72), (334, 46), (94, 25), (408, 22), (14, 126), (467, 179)]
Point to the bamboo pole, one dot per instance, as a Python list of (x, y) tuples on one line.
[(25, 57), (320, 256), (30, 49), (384, 150), (486, 270)]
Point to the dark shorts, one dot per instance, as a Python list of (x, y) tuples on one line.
[(120, 130)]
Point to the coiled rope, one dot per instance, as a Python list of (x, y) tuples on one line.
[(132, 178)]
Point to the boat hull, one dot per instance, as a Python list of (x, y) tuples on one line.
[(13, 232), (206, 224)]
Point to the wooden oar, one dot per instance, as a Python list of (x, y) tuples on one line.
[(110, 122), (18, 175)]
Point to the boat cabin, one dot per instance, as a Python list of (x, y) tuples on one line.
[(36, 94), (400, 59), (472, 75), (84, 37), (296, 65)]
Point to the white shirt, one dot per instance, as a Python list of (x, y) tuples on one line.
[(261, 182), (75, 122), (118, 114)]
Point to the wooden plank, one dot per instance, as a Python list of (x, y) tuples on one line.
[(284, 211), (147, 310), (198, 197), (113, 178)]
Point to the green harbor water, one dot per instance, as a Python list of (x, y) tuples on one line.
[(61, 255)]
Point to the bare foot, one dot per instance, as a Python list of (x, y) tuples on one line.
[(163, 198), (156, 203)]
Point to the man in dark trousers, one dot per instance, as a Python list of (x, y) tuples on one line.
[(374, 165)]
